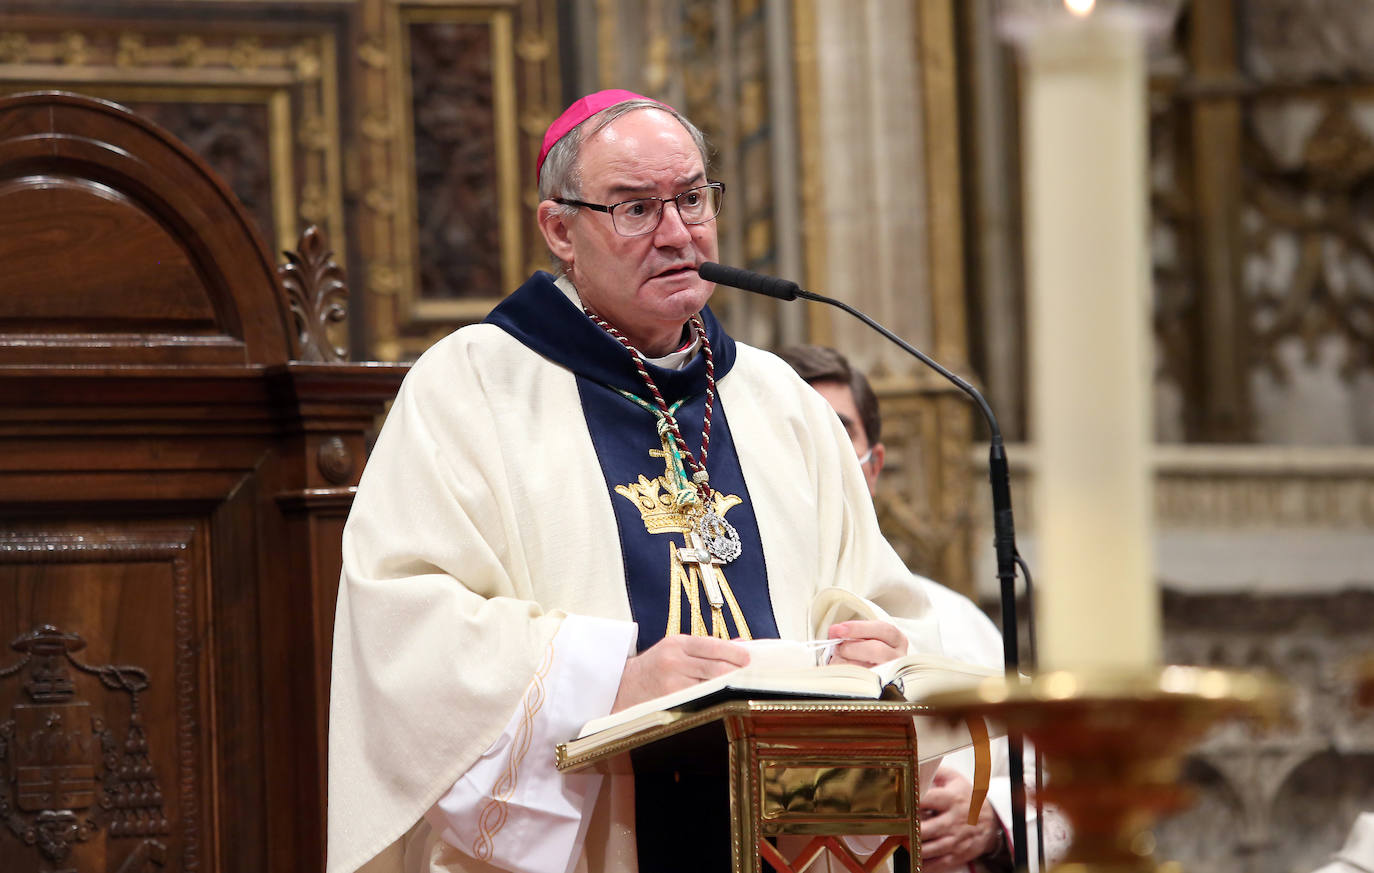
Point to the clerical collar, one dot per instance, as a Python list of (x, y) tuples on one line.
[(671, 361)]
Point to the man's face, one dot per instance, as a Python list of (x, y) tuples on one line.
[(647, 286), (841, 399)]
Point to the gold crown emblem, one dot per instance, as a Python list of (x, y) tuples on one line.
[(659, 509)]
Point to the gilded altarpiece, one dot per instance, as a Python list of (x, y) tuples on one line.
[(258, 100), (406, 129), (452, 101), (1262, 164)]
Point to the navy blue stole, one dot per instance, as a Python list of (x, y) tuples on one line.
[(691, 791), (673, 794), (664, 591)]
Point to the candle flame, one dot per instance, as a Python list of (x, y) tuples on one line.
[(1081, 8)]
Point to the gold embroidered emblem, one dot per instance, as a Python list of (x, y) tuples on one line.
[(692, 571)]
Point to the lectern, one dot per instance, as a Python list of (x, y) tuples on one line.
[(818, 770)]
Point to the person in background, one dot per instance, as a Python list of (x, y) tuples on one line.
[(948, 841)]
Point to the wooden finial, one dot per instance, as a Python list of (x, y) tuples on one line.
[(318, 293)]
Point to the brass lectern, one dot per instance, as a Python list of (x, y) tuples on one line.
[(822, 769)]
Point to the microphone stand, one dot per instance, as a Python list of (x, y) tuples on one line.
[(1004, 530), (1004, 543)]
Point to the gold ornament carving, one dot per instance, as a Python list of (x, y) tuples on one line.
[(372, 54), (314, 206), (378, 126), (246, 54), (131, 51), (73, 49), (656, 68), (531, 48), (534, 123), (314, 133), (306, 61), (191, 50), (380, 198), (14, 48), (383, 279)]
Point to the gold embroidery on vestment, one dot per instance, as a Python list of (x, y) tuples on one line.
[(661, 513), (494, 811)]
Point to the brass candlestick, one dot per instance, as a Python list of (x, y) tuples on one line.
[(1113, 745)]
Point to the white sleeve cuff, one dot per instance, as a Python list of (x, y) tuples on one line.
[(512, 808)]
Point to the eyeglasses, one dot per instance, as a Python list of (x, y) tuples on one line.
[(643, 214), (866, 456)]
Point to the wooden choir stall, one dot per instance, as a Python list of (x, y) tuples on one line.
[(179, 441)]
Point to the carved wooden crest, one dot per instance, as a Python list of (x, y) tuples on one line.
[(66, 772)]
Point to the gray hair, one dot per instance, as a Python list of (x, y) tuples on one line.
[(561, 174)]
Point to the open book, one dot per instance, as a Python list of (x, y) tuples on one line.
[(789, 669)]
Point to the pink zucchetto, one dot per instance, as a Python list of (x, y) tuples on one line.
[(579, 112)]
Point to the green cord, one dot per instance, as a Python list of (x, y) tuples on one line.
[(684, 492)]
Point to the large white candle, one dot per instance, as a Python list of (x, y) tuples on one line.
[(1085, 150)]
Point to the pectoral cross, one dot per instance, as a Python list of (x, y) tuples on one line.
[(706, 566)]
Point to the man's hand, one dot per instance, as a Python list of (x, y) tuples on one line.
[(948, 842), (870, 642), (674, 662)]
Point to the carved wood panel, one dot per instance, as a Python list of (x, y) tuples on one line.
[(105, 699), (169, 510)]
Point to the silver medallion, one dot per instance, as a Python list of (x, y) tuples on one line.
[(720, 537)]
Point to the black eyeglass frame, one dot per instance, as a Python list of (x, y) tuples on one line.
[(662, 204)]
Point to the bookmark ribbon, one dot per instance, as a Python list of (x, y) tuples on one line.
[(982, 766)]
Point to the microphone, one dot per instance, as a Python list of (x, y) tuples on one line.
[(756, 282), (1004, 529)]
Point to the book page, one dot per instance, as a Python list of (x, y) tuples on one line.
[(834, 680), (832, 605), (788, 654), (920, 675)]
